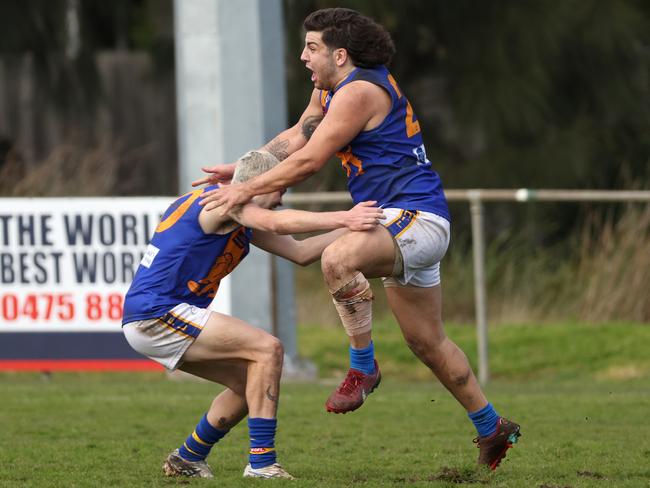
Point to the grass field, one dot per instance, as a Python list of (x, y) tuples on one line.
[(583, 412)]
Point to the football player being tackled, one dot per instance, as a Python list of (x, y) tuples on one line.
[(166, 314)]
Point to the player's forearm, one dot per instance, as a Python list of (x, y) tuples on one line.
[(300, 252), (279, 146), (286, 143), (289, 172), (312, 248), (297, 162), (291, 221)]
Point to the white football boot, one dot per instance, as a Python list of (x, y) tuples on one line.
[(270, 471)]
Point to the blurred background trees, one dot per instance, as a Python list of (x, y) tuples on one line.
[(87, 98), (510, 94), (519, 93)]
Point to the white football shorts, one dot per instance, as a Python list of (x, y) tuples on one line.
[(165, 339), (422, 239)]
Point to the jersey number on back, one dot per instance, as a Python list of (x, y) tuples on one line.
[(412, 124)]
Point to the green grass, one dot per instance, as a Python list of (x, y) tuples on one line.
[(584, 427), (516, 352)]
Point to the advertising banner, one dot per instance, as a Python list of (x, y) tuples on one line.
[(65, 266)]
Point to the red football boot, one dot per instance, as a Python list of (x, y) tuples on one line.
[(494, 447), (352, 392)]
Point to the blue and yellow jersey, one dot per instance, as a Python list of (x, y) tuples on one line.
[(182, 263), (389, 163)]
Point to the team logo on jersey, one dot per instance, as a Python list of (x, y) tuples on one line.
[(233, 253), (421, 155), (149, 255), (325, 98), (349, 160), (209, 285)]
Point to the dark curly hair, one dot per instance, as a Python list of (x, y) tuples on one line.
[(367, 42)]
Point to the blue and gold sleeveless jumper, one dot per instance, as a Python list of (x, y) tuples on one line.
[(182, 263), (389, 163)]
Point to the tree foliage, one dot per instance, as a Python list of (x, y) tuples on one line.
[(533, 93), (529, 93), (63, 37)]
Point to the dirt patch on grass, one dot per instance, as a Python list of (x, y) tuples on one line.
[(466, 475), (591, 474), (462, 475)]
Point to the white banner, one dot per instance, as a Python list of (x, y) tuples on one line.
[(66, 263)]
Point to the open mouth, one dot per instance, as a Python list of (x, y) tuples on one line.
[(313, 75)]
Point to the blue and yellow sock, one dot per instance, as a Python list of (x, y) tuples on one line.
[(485, 420), (262, 435), (197, 446), (363, 359)]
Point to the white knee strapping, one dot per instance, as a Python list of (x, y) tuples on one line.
[(353, 302)]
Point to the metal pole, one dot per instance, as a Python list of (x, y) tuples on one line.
[(478, 247), (232, 98), (222, 114)]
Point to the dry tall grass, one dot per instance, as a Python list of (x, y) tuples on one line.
[(613, 273), (106, 169), (604, 275), (68, 171)]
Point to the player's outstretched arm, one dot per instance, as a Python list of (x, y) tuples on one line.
[(294, 138), (302, 252), (287, 146), (344, 120), (281, 146), (363, 216), (349, 112)]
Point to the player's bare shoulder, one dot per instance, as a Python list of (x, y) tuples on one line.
[(213, 222), (365, 99)]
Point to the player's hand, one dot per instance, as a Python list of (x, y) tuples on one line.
[(363, 216), (221, 173), (226, 197)]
